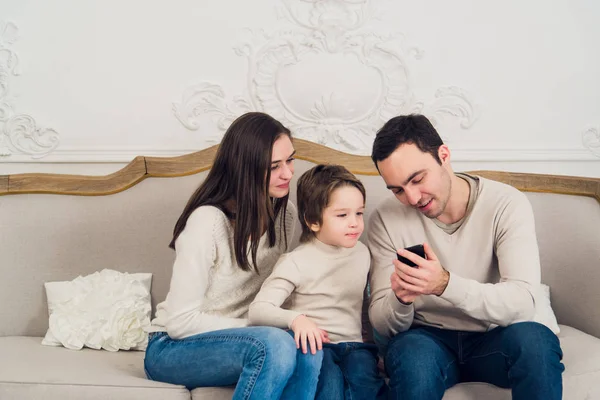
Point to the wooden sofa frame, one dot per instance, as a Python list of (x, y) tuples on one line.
[(144, 167)]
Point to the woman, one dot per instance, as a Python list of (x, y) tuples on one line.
[(227, 240)]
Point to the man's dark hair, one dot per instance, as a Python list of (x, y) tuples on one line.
[(406, 129)]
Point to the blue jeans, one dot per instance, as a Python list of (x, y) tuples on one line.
[(350, 372), (259, 361), (303, 382), (423, 362)]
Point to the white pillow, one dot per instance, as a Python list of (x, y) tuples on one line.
[(543, 310), (105, 310)]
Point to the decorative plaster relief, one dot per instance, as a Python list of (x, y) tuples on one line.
[(18, 132), (331, 78), (591, 140)]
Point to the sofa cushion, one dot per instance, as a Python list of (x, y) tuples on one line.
[(582, 364), (476, 391), (62, 237), (213, 393), (29, 370), (567, 233)]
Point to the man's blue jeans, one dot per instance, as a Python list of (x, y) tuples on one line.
[(350, 372), (260, 361), (423, 362)]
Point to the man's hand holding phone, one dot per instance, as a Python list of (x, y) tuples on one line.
[(427, 276)]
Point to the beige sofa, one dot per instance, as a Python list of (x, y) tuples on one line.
[(56, 227)]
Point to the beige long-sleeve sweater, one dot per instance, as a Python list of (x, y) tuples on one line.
[(492, 258), (208, 290), (325, 283)]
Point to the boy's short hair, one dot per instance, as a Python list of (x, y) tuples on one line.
[(315, 187)]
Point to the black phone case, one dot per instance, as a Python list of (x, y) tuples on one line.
[(417, 249)]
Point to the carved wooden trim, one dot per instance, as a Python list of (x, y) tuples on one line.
[(188, 164), (3, 184), (143, 167), (318, 154), (82, 185), (559, 184)]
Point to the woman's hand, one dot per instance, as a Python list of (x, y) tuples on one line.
[(305, 330)]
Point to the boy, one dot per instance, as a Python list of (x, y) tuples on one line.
[(324, 279)]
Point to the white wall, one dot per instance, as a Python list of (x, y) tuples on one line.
[(511, 85)]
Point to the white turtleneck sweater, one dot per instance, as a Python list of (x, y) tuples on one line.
[(209, 291), (325, 283)]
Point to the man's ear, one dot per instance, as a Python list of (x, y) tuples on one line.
[(444, 154)]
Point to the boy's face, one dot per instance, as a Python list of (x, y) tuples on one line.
[(417, 179), (342, 218)]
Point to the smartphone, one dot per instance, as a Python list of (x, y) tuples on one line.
[(418, 250)]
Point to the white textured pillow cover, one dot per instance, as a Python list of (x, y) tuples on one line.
[(107, 310), (543, 310)]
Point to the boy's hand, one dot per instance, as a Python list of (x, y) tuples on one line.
[(305, 330), (324, 336)]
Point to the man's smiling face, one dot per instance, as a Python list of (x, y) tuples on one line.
[(417, 179)]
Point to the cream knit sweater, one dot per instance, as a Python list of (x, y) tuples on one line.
[(325, 283), (492, 258), (208, 290)]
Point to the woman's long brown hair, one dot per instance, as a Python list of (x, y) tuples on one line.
[(240, 177)]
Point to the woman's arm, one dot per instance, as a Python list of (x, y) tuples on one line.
[(195, 257)]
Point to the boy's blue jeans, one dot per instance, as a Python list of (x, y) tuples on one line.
[(350, 372), (259, 361), (424, 361)]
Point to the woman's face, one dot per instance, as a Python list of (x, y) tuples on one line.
[(282, 167)]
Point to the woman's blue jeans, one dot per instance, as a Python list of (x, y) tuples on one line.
[(424, 361), (260, 361)]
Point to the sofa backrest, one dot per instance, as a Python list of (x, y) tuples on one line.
[(56, 227)]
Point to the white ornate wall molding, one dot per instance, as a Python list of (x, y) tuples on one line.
[(19, 133), (591, 140), (332, 77)]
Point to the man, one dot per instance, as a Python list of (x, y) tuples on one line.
[(462, 314)]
